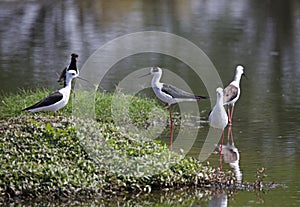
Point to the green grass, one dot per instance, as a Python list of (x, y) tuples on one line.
[(108, 107), (65, 156), (12, 104)]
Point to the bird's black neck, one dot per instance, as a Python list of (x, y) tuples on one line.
[(73, 65)]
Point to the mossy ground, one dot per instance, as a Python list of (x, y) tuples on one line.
[(65, 156)]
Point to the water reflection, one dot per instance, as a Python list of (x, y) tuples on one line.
[(185, 196), (218, 200), (231, 155)]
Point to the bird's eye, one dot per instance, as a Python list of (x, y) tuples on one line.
[(73, 73)]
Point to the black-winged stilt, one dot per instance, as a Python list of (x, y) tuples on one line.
[(232, 91), (56, 100), (71, 66), (218, 118), (169, 94)]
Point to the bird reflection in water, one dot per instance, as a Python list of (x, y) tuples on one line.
[(231, 155), (218, 200)]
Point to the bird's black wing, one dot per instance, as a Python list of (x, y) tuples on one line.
[(178, 93), (230, 93), (51, 99)]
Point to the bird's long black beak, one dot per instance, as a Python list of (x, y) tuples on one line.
[(245, 75), (82, 79), (144, 75)]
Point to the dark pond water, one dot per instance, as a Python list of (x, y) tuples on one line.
[(37, 38)]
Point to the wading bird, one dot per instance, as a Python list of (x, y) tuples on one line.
[(169, 94), (232, 92), (218, 118)]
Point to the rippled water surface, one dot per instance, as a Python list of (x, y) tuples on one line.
[(37, 38)]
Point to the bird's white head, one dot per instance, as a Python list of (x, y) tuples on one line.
[(70, 74), (155, 70), (239, 69), (239, 72), (219, 92)]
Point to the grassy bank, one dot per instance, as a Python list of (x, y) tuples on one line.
[(64, 156)]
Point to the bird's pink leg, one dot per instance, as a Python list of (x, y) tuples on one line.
[(232, 108), (230, 135), (229, 115), (171, 128), (221, 147)]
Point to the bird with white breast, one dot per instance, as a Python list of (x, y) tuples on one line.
[(218, 118), (56, 100), (233, 91), (169, 94)]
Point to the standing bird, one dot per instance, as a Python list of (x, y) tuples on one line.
[(218, 118), (169, 94), (56, 100), (232, 92), (71, 66)]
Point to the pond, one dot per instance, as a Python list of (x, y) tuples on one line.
[(37, 38)]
